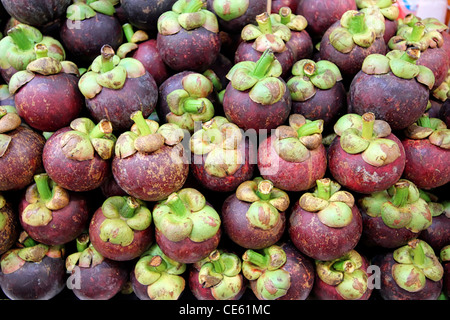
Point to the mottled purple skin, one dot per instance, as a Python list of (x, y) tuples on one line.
[(230, 182), (34, 12), (348, 63), (193, 50), (379, 94), (319, 241), (291, 176), (84, 39), (154, 176), (327, 105), (66, 224), (72, 174), (446, 44), (438, 234), (110, 188), (186, 250), (352, 172), (118, 105), (142, 240), (101, 282), (376, 234), (389, 290), (301, 270), (446, 280), (444, 112), (201, 293), (35, 281), (390, 29), (278, 4), (324, 291), (246, 52), (9, 233), (247, 114), (321, 14), (427, 165), (301, 45), (49, 103), (235, 25), (22, 160), (221, 67), (437, 60)]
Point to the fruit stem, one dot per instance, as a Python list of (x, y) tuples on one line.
[(323, 188), (367, 125), (424, 121), (127, 211), (193, 6), (310, 128), (128, 31), (41, 50), (107, 53), (417, 252), (411, 55), (418, 30), (157, 264), (401, 194), (216, 261), (344, 266), (256, 258), (264, 23), (357, 23), (142, 125), (82, 242), (309, 68), (29, 242), (177, 205), (264, 189), (104, 127), (194, 106), (20, 39), (263, 63), (285, 15), (43, 188)]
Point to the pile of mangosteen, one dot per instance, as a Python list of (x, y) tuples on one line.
[(223, 150)]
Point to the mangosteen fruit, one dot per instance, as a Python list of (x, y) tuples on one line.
[(278, 272), (394, 216), (6, 98), (222, 157), (256, 97), (317, 91), (188, 36), (254, 216), (344, 278), (365, 156), (375, 88), (89, 26), (427, 149), (32, 271), (121, 229), (46, 94), (187, 228), (93, 276), (9, 225), (17, 49), (325, 224), (21, 151), (217, 277), (157, 277), (444, 256), (434, 24), (278, 4), (150, 161), (411, 272), (293, 158)]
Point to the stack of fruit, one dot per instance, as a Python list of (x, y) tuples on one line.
[(223, 150)]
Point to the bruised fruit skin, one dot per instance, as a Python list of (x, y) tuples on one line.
[(9, 225), (254, 216), (217, 277), (52, 215), (294, 157), (20, 152), (325, 224), (36, 13), (121, 228)]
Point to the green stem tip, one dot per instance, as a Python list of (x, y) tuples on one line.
[(367, 126), (142, 125), (45, 193), (401, 193), (20, 39)]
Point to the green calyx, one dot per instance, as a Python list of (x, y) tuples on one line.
[(436, 207), (86, 256), (108, 70), (146, 136), (293, 142), (353, 31), (229, 10), (308, 76), (260, 78), (443, 91), (444, 254), (387, 7), (82, 10), (266, 202), (220, 272), (17, 49), (221, 143), (416, 35), (416, 262), (400, 206), (124, 215), (185, 214), (87, 139), (345, 274), (366, 136), (9, 121), (162, 275), (43, 197), (266, 34), (191, 104), (187, 15), (133, 39), (265, 267), (433, 129), (332, 205), (294, 22)]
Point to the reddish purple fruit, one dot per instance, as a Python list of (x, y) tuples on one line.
[(9, 225)]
